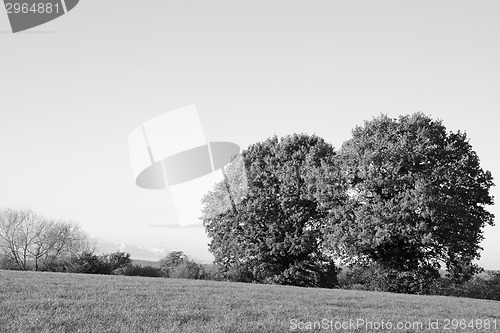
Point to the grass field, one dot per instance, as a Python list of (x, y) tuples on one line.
[(56, 302)]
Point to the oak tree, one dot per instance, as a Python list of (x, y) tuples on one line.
[(417, 198), (273, 233)]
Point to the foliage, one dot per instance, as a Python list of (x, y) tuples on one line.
[(187, 270), (484, 286), (172, 260), (138, 270), (416, 198), (273, 233), (212, 272), (89, 263), (378, 278), (117, 260), (59, 264), (7, 263), (177, 265)]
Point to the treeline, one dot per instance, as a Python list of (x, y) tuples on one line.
[(175, 265), (29, 241), (485, 285)]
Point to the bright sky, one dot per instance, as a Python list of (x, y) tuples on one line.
[(72, 90)]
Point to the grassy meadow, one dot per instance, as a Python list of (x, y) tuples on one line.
[(58, 302)]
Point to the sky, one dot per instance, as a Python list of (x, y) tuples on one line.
[(72, 91)]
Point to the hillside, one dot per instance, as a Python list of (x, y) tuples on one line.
[(141, 262), (57, 302)]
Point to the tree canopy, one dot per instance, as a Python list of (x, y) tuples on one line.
[(274, 232), (416, 197)]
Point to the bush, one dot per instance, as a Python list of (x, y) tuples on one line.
[(213, 272), (173, 259), (89, 263), (137, 270), (117, 260), (305, 274), (178, 265), (236, 273), (187, 270), (61, 264), (8, 263), (482, 287), (377, 278)]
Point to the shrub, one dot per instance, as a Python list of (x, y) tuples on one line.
[(61, 264), (8, 263), (117, 259), (213, 272), (173, 259), (187, 270), (377, 278), (178, 265), (237, 273), (137, 270), (485, 286), (89, 263), (305, 274)]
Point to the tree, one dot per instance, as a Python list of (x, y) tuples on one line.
[(274, 233), (187, 270), (416, 198), (89, 263), (138, 270), (117, 260), (30, 241), (172, 260), (178, 265), (16, 235)]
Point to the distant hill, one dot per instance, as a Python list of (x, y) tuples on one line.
[(140, 262), (156, 263), (104, 246)]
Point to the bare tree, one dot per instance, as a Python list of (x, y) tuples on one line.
[(15, 235), (28, 239)]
